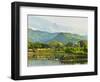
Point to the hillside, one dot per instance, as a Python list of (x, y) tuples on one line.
[(45, 37)]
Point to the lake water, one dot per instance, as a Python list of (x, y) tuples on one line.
[(34, 62)]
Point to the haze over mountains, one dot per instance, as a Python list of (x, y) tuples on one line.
[(52, 24), (54, 28), (45, 37)]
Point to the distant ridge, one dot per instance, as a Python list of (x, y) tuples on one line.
[(45, 37)]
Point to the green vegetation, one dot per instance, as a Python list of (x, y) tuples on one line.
[(65, 53)]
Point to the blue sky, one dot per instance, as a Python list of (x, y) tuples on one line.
[(75, 25)]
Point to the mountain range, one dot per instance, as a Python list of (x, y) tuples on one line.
[(45, 37)]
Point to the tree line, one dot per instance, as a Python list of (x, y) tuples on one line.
[(76, 48)]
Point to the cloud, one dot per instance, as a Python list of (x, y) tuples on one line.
[(76, 25)]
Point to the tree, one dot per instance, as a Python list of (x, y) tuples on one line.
[(30, 45), (56, 44), (44, 45), (69, 44), (37, 45), (68, 50), (82, 43)]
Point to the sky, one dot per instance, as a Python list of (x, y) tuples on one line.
[(52, 24)]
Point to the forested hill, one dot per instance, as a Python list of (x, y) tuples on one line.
[(45, 37)]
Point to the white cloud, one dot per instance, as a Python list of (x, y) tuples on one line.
[(76, 25)]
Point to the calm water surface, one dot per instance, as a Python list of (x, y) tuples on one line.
[(33, 62)]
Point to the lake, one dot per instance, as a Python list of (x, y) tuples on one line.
[(34, 62)]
